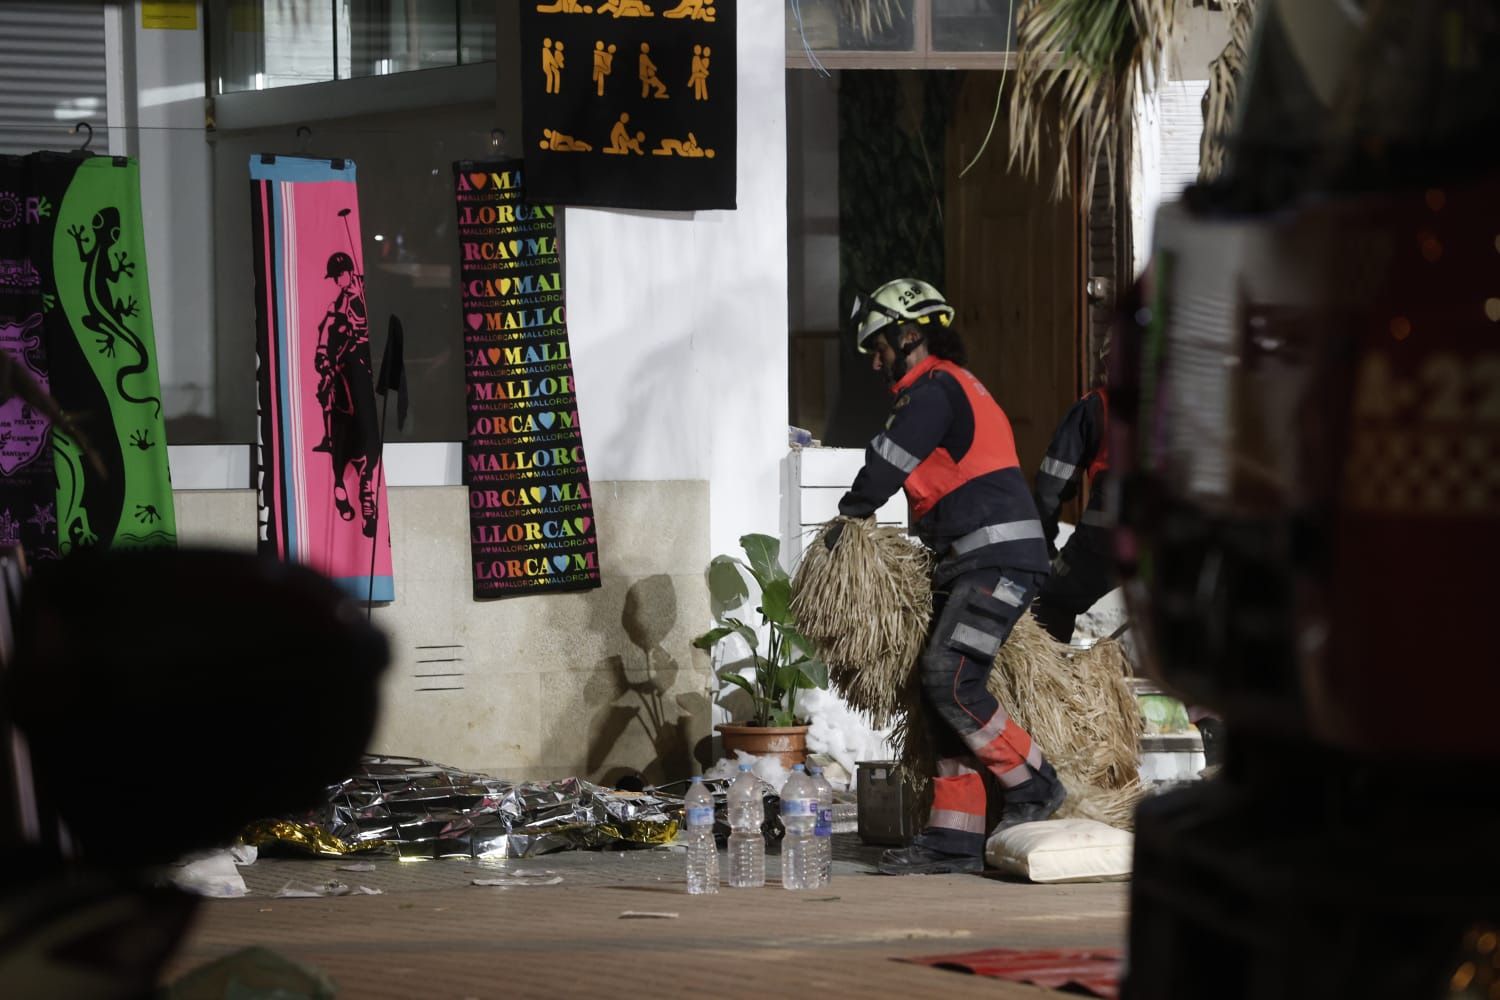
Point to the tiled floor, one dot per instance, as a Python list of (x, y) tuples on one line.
[(432, 933)]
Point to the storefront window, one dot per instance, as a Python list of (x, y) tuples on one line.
[(899, 34), (860, 25), (263, 44), (409, 250), (973, 25)]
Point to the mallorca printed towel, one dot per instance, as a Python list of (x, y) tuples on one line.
[(531, 519), (322, 498)]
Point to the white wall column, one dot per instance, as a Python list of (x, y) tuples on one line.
[(163, 76)]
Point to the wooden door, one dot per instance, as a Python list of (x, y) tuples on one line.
[(1013, 273)]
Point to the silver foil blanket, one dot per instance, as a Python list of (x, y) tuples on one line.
[(418, 809)]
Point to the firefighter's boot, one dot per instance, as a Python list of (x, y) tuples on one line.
[(1034, 799)]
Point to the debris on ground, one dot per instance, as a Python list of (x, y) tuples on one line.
[(647, 915), (213, 874), (522, 878), (333, 887), (419, 809)]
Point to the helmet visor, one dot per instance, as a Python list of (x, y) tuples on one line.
[(871, 317)]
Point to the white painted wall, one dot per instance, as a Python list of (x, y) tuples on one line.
[(678, 322)]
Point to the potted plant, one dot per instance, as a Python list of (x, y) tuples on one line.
[(786, 664)]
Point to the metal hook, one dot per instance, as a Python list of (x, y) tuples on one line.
[(84, 126), (303, 135)]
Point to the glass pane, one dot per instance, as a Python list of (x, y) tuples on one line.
[(260, 44), (476, 31), (408, 248), (973, 25), (851, 25), (394, 36)]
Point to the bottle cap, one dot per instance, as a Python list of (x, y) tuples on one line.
[(814, 770), (744, 767), (798, 767), (697, 779)]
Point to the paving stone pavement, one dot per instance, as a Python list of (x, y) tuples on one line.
[(433, 933)]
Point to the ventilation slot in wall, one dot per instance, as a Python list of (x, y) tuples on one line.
[(439, 668)]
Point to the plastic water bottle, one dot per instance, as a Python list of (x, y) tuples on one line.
[(823, 828), (747, 847), (698, 834), (799, 814)]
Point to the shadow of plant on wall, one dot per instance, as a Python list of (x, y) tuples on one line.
[(643, 679)]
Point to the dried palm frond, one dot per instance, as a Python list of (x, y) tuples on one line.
[(870, 16), (1223, 85), (1074, 703), (1093, 58), (865, 606)]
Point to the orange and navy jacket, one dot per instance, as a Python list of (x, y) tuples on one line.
[(950, 446), (1079, 447)]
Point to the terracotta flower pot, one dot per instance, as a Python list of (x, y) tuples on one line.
[(789, 743)]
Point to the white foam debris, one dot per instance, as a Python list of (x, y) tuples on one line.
[(841, 733)]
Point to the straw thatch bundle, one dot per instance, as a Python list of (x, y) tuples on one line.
[(1074, 703), (866, 607)]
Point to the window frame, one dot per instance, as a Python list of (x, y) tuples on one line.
[(920, 56)]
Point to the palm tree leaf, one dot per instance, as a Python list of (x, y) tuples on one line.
[(1223, 83), (1080, 66)]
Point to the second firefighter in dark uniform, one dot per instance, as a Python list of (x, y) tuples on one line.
[(950, 446), (1084, 570)]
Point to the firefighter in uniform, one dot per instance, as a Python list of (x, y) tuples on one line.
[(1084, 571), (950, 446)]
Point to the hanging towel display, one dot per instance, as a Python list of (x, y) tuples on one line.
[(629, 105), (88, 246), (322, 499), (531, 519), (28, 483)]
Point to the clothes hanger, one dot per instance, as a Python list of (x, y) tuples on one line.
[(304, 136)]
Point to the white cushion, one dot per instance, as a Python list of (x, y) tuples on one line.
[(1062, 850)]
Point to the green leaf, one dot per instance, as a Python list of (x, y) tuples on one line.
[(711, 638), (732, 675), (763, 551), (781, 717), (799, 642), (794, 678), (776, 602), (815, 671), (726, 584), (740, 628)]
